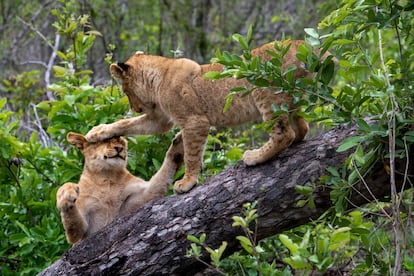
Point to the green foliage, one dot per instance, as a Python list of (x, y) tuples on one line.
[(32, 235), (215, 254), (318, 247), (22, 90), (251, 261), (306, 191), (326, 245)]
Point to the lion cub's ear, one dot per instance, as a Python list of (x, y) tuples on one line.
[(118, 70), (77, 139)]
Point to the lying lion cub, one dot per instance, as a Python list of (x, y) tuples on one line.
[(172, 91), (106, 189)]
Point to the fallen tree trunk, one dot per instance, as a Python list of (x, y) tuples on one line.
[(153, 241)]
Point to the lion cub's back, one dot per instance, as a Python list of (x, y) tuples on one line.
[(212, 94), (289, 59)]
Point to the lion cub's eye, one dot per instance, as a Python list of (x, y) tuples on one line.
[(115, 138)]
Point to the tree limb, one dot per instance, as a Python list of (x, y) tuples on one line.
[(153, 241)]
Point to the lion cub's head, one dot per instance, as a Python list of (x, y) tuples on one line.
[(110, 154)]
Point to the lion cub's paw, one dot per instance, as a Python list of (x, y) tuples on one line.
[(176, 151), (184, 185), (98, 133), (251, 157), (66, 196)]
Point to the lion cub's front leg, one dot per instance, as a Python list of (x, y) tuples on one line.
[(194, 132), (73, 221)]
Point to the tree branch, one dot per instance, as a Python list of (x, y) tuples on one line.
[(154, 239)]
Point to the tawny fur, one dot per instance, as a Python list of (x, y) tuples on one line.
[(106, 189), (175, 91)]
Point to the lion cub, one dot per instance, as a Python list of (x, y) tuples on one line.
[(175, 91), (106, 189)]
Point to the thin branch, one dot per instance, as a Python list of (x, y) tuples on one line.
[(31, 27), (38, 62), (44, 136), (361, 178), (49, 67), (52, 57), (395, 199)]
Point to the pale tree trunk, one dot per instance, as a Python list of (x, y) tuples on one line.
[(153, 241)]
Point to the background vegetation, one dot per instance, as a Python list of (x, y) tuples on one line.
[(54, 61)]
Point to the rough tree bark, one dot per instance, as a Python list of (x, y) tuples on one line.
[(153, 241)]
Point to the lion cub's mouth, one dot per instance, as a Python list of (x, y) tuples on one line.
[(114, 156)]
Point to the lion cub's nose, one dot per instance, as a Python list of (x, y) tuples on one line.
[(119, 149)]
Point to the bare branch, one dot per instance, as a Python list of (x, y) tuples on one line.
[(31, 27), (49, 67)]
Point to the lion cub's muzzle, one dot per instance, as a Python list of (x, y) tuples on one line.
[(120, 153)]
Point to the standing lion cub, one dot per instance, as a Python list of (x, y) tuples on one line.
[(175, 91), (106, 189)]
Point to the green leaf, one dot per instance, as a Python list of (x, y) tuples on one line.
[(3, 101), (202, 237), (409, 136), (235, 153), (363, 125), (314, 259), (212, 75), (59, 71), (23, 228), (305, 240), (246, 244), (220, 250), (304, 190), (239, 221), (340, 238), (350, 142), (16, 238), (311, 203), (333, 171), (193, 239), (239, 88), (156, 164), (229, 100), (293, 247), (249, 33), (70, 99), (242, 41), (301, 203), (195, 250), (359, 155), (312, 32), (44, 105), (84, 72), (344, 41), (296, 262)]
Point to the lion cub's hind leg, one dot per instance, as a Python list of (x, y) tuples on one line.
[(301, 128), (282, 134), (73, 221), (281, 137)]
